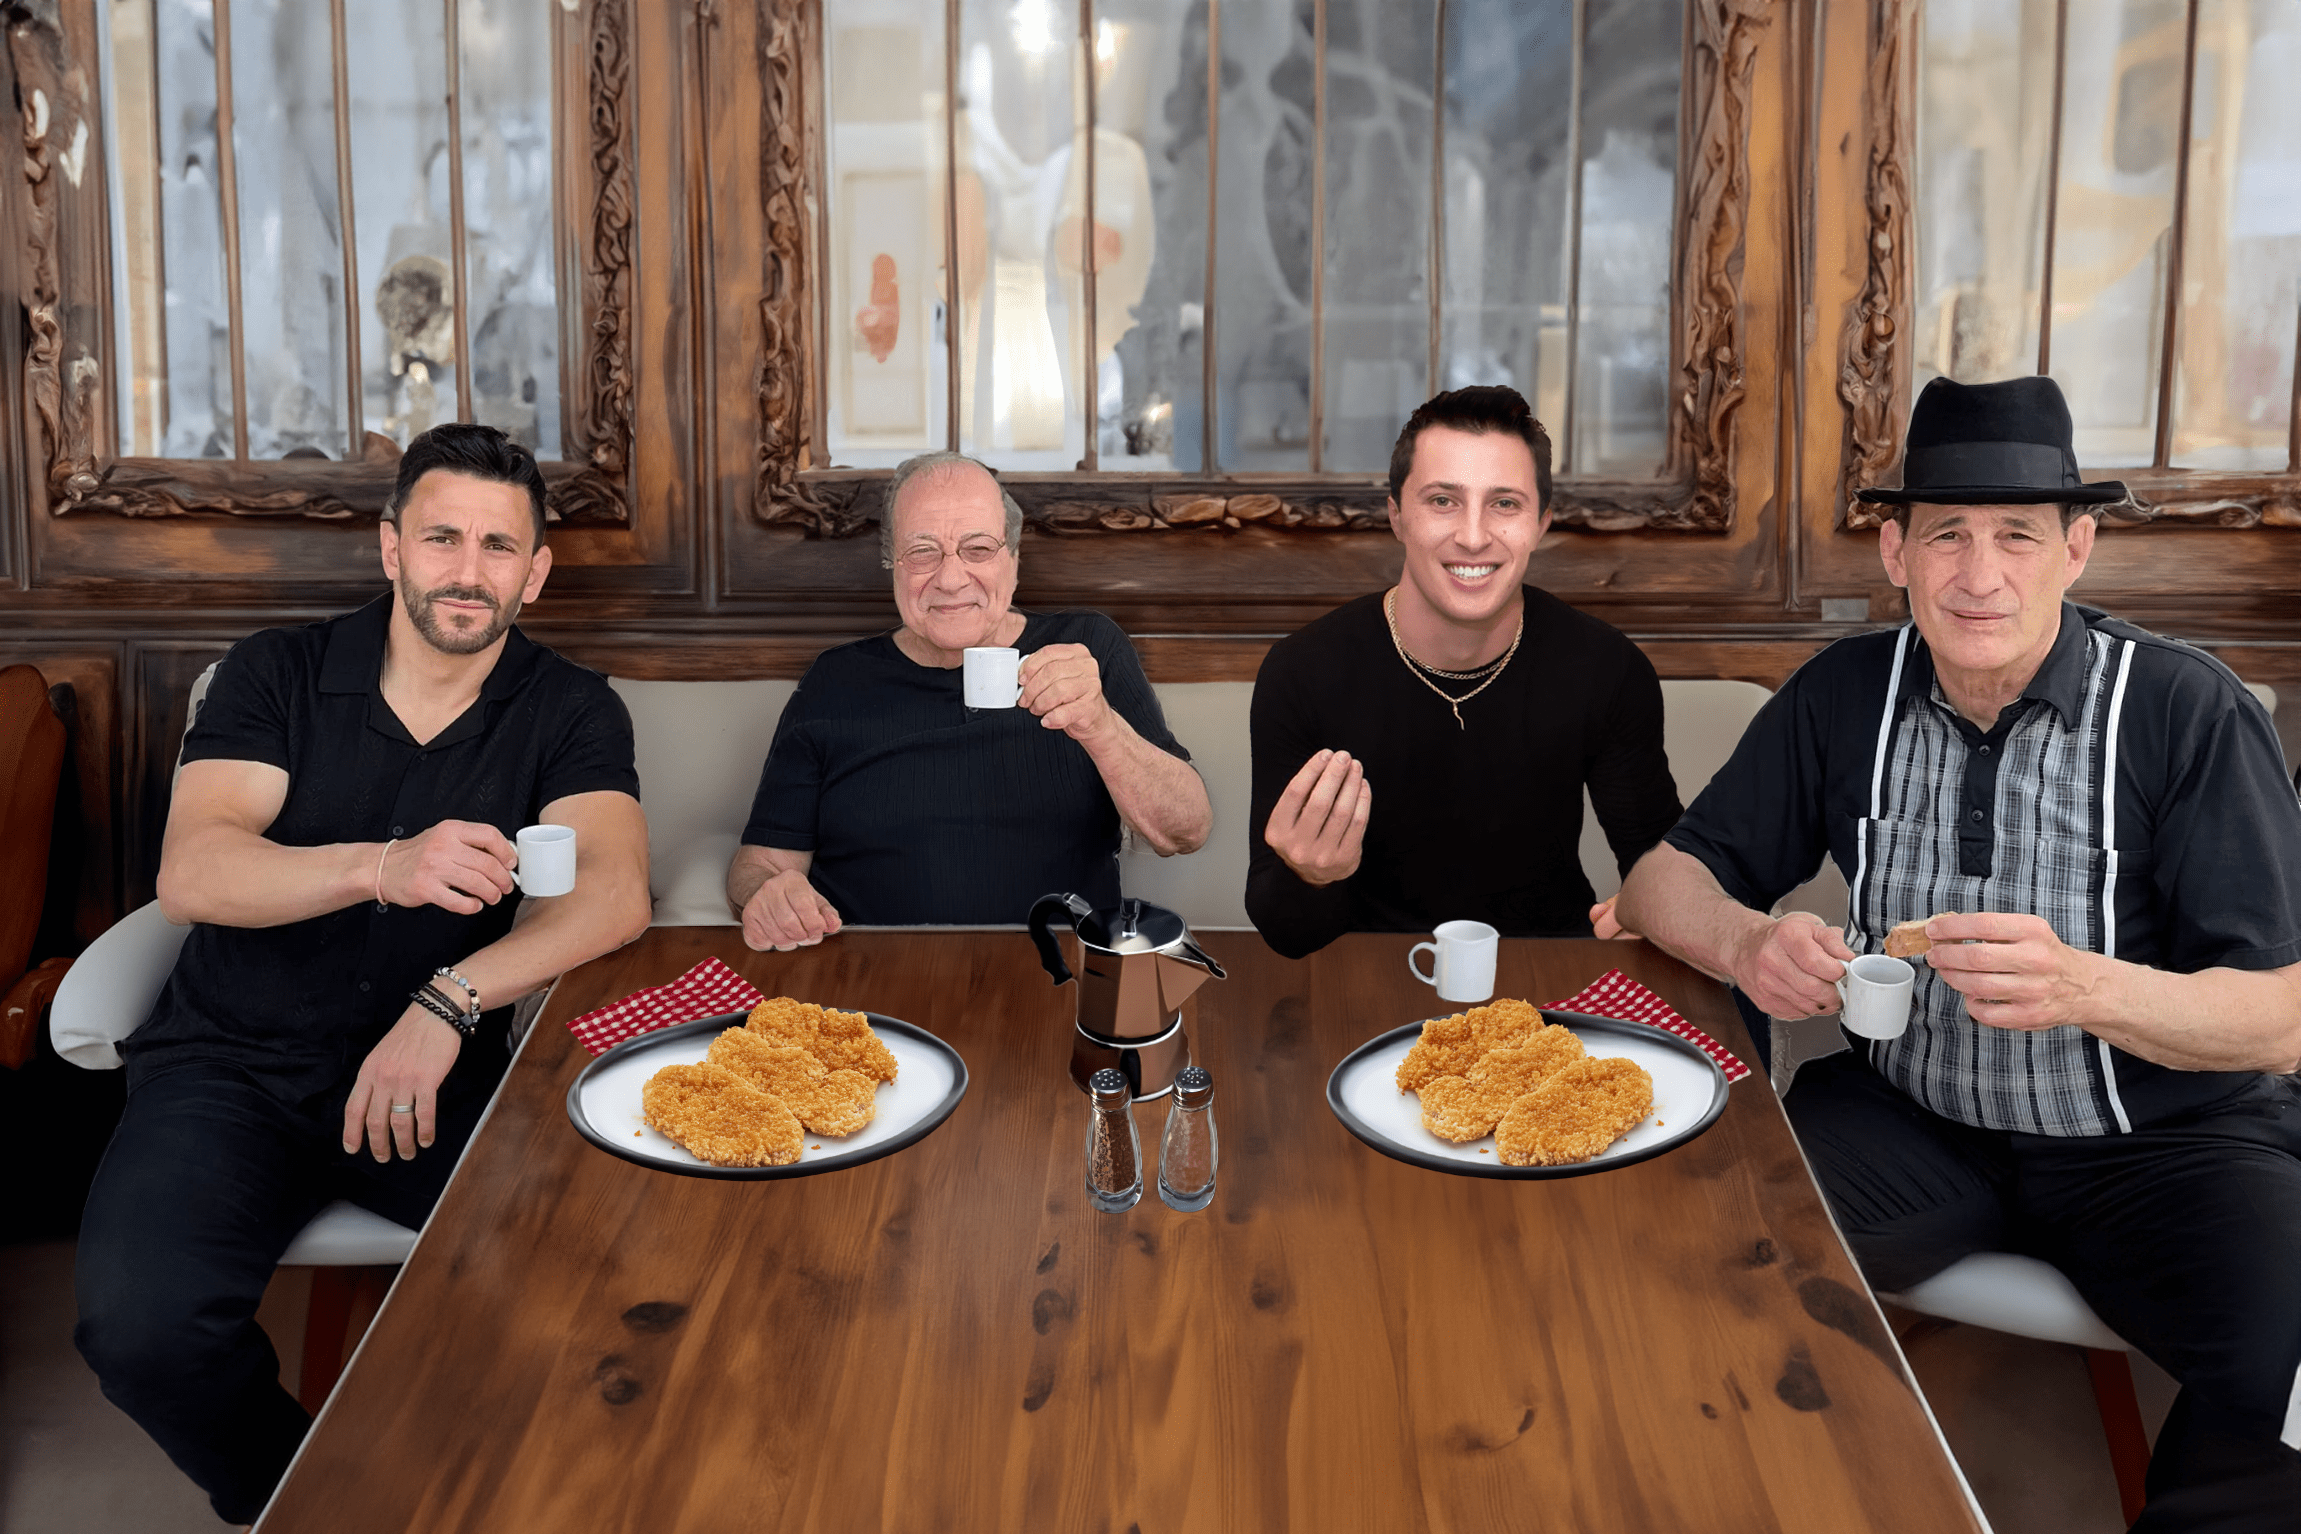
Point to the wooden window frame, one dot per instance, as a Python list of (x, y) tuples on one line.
[(1874, 372), (1696, 493), (64, 238)]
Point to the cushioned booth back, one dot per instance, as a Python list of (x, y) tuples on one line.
[(700, 746), (1208, 887), (1702, 721), (31, 761)]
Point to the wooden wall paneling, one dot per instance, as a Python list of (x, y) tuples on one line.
[(92, 671), (160, 677)]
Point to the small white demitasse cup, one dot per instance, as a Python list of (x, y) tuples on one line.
[(546, 860), (1462, 960), (992, 679), (1874, 996)]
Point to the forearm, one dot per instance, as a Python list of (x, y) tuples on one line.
[(1672, 899), (606, 911), (232, 877), (754, 866), (1160, 795), (1295, 918), (2213, 1020)]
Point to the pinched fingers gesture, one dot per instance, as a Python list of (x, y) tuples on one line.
[(1793, 969), (786, 912), (1063, 686), (459, 865), (1318, 826), (2014, 971), (394, 1102)]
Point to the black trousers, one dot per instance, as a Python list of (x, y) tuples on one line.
[(206, 1181), (2185, 1238)]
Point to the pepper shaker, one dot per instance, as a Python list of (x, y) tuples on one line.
[(1114, 1154), (1187, 1153)]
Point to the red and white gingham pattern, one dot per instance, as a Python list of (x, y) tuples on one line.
[(1615, 994), (710, 989)]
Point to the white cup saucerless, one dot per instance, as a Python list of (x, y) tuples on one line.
[(546, 860), (992, 677), (1462, 960), (1874, 996)]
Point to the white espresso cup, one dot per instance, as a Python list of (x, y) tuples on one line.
[(546, 860), (992, 677), (1462, 960), (1874, 996)]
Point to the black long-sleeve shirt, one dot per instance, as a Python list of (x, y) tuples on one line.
[(1481, 822)]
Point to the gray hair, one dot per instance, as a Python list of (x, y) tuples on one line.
[(928, 463)]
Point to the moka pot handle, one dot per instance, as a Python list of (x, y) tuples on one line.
[(1049, 908)]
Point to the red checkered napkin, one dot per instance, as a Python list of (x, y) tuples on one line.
[(710, 989), (1616, 995)]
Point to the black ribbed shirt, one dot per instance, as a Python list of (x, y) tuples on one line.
[(1479, 823), (922, 811)]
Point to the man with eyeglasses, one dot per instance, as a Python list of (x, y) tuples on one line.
[(886, 801)]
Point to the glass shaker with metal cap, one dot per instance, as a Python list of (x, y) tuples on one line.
[(1187, 1153), (1114, 1153)]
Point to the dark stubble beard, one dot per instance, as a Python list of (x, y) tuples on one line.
[(424, 614)]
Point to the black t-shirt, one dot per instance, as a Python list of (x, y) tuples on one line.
[(2134, 796), (299, 1006), (920, 810), (1481, 822)]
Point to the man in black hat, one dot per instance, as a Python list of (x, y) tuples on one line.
[(2094, 826)]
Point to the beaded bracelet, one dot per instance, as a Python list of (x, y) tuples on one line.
[(438, 1006), (469, 988)]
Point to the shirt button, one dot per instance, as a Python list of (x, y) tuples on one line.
[(1985, 751), (365, 987), (398, 831), (1978, 817)]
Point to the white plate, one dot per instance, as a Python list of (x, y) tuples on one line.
[(604, 1106), (1689, 1094)]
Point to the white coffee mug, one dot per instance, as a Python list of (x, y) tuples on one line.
[(1874, 996), (546, 860), (991, 677), (1462, 960)]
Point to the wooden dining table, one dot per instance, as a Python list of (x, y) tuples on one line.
[(953, 1338)]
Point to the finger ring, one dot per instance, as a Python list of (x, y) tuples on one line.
[(403, 1107)]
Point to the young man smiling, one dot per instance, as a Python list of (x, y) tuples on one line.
[(1420, 754), (2094, 825), (340, 841)]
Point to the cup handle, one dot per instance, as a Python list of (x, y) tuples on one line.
[(1845, 1002), (1432, 949)]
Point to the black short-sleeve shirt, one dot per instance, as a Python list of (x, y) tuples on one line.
[(920, 810), (299, 1006), (2134, 796)]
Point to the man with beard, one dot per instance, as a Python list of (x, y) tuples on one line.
[(341, 842)]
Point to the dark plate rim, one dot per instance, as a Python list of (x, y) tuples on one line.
[(838, 1162), (1578, 1021)]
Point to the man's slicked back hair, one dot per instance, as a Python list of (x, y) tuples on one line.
[(476, 452), (1479, 409)]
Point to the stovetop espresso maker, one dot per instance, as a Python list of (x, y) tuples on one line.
[(1138, 965)]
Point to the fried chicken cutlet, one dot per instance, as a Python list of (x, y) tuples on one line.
[(839, 1040), (1467, 1107), (1576, 1113), (1450, 1046), (719, 1117), (828, 1102)]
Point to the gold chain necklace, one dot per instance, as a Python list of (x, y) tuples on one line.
[(1492, 671)]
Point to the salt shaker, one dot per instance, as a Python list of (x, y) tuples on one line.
[(1114, 1155), (1187, 1153)]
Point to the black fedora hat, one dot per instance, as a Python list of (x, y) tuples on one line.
[(1993, 444)]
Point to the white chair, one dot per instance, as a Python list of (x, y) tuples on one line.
[(106, 996)]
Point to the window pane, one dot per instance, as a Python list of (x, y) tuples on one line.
[(507, 216), (1262, 237), (2234, 378), (1023, 331), (142, 365), (1150, 204), (1985, 106), (400, 182), (1630, 88), (197, 313), (887, 371), (1378, 184), (2120, 143), (291, 245), (1509, 96)]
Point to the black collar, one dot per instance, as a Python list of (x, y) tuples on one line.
[(2059, 681), (354, 664)]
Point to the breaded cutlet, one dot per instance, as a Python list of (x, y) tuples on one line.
[(840, 1040), (828, 1102), (1576, 1113), (1450, 1046), (719, 1117)]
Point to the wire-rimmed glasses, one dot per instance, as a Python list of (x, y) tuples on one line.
[(926, 556)]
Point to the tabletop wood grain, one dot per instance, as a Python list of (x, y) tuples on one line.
[(951, 1338)]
